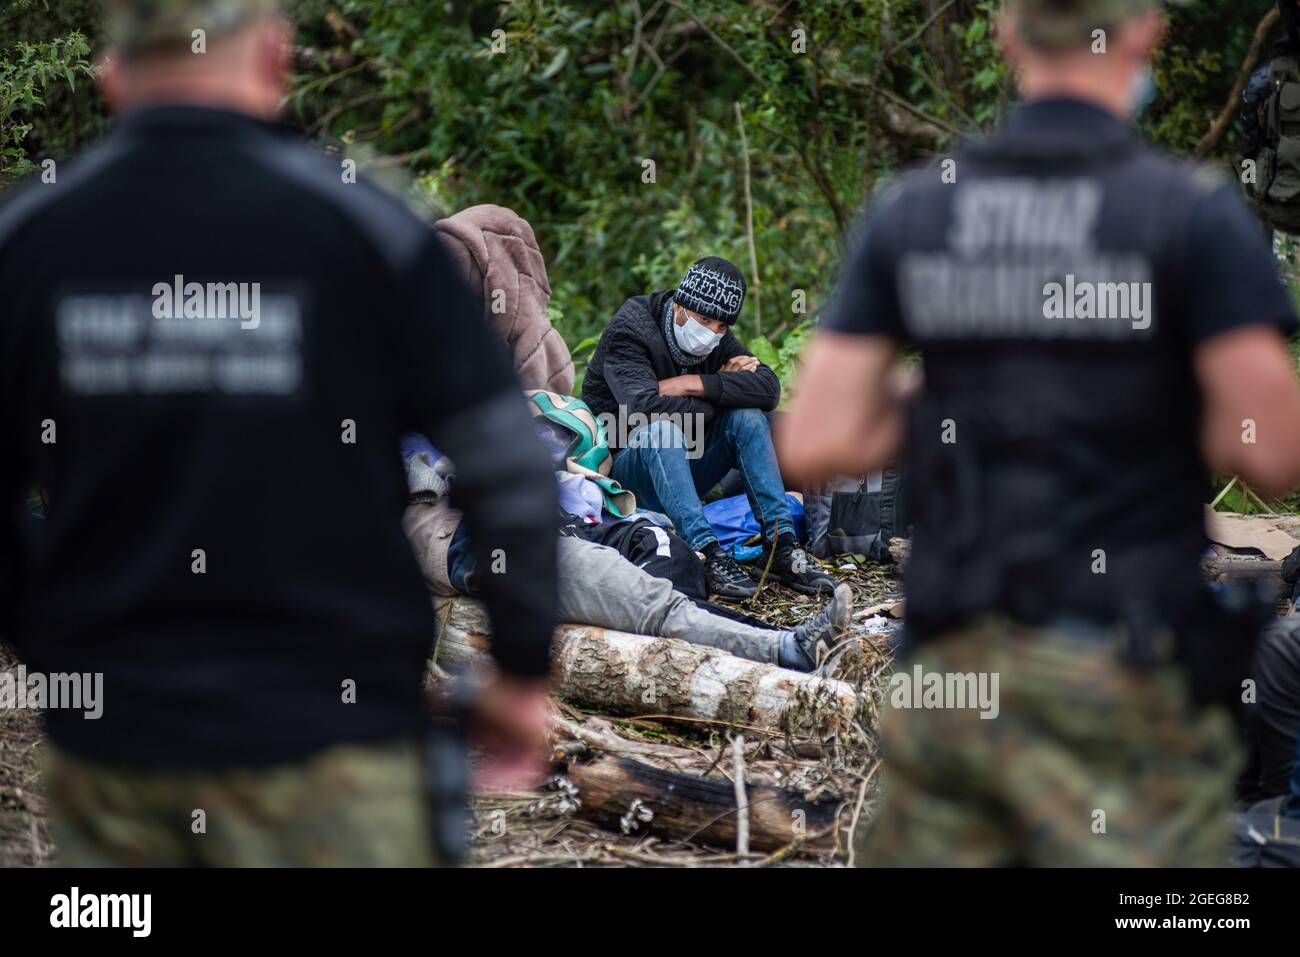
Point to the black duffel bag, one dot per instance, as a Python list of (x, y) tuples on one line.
[(856, 516)]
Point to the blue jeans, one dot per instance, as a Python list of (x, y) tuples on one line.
[(655, 468)]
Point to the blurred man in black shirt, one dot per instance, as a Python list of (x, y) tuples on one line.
[(1098, 325), (212, 339)]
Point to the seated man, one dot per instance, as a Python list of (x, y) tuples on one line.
[(670, 363)]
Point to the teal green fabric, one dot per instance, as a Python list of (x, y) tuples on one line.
[(590, 450)]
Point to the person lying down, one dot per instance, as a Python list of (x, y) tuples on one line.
[(599, 586)]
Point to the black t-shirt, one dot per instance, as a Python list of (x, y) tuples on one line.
[(212, 340), (1057, 279)]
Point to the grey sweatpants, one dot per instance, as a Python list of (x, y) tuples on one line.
[(598, 586)]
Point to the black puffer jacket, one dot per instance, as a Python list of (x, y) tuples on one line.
[(632, 357)]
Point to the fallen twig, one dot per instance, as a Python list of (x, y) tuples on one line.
[(742, 803)]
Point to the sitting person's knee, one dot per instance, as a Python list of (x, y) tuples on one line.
[(661, 434), (742, 421)]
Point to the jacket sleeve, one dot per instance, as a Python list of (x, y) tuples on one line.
[(633, 382), (15, 462), (759, 389), (458, 386), (11, 589)]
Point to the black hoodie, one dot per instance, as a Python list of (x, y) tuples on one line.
[(633, 356)]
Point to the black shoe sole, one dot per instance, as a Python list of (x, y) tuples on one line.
[(735, 593), (827, 589)]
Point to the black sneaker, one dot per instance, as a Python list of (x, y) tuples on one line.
[(810, 645), (793, 568), (726, 579)]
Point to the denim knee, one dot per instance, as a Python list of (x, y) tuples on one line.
[(661, 434), (745, 421)]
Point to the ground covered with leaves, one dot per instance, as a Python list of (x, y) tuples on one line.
[(548, 828), (543, 829), (23, 838)]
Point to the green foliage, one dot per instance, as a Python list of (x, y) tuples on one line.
[(782, 360), (27, 71), (558, 123)]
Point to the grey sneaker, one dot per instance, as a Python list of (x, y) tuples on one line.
[(809, 646)]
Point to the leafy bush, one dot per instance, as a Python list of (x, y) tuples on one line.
[(31, 71), (552, 108)]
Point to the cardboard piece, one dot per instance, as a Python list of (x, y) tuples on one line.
[(1249, 532)]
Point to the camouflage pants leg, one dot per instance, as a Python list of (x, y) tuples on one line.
[(348, 806), (1088, 762)]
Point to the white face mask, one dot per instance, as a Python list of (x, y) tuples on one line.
[(695, 338)]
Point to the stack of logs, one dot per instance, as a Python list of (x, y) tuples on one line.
[(663, 788)]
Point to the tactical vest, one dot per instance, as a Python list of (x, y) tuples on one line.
[(1011, 516), (1275, 190)]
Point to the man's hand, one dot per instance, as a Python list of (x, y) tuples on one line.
[(682, 386), (511, 725), (740, 364)]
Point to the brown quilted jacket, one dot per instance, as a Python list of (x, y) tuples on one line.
[(495, 251)]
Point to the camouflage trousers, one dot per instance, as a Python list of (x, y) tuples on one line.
[(1088, 761), (347, 806)]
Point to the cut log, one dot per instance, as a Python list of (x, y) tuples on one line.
[(631, 796), (1236, 570), (619, 673), (596, 736)]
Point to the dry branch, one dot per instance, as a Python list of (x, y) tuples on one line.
[(1223, 121)]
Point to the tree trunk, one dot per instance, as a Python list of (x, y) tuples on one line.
[(631, 796), (619, 673)]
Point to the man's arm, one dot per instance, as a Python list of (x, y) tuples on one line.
[(632, 381), (1252, 408), (461, 391), (16, 436), (756, 387), (11, 596), (845, 419), (1237, 314)]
